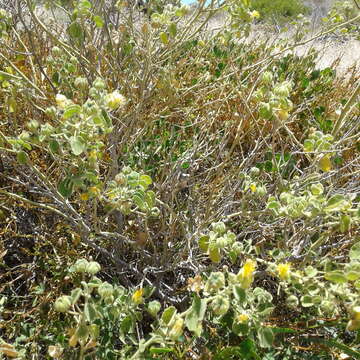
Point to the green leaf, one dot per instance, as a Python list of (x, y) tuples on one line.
[(139, 199), (240, 329), (336, 203), (145, 181), (266, 337), (239, 294), (99, 21), (332, 343), (82, 332), (196, 315), (336, 276), (150, 199), (56, 78), (164, 38), (168, 314), (354, 253), (75, 31), (345, 223), (77, 145), (204, 243), (85, 4), (352, 275), (71, 110), (90, 312), (22, 157), (309, 145), (65, 187), (54, 146), (75, 295), (310, 271), (125, 327), (214, 254), (172, 29), (306, 301), (156, 350)]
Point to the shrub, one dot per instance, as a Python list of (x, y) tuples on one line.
[(167, 190), (279, 10)]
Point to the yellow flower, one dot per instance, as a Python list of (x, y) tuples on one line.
[(177, 329), (93, 155), (254, 14), (248, 268), (93, 190), (253, 187), (284, 271), (325, 163), (246, 274), (242, 318), (115, 100), (356, 313), (137, 297), (84, 196)]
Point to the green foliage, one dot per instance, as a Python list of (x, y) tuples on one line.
[(279, 9), (213, 177)]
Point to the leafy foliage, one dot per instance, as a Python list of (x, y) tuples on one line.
[(168, 191)]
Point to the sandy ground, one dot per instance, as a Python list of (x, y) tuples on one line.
[(331, 48)]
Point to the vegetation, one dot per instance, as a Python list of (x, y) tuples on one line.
[(279, 10), (168, 192)]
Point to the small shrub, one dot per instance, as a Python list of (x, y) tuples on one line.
[(279, 9)]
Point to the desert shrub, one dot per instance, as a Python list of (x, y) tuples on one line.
[(168, 191), (279, 10)]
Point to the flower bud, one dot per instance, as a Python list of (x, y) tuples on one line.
[(220, 305), (261, 190), (56, 51), (254, 171), (267, 77), (81, 83), (215, 282), (265, 110), (155, 212), (62, 304), (292, 301), (81, 265), (120, 179), (93, 267), (99, 84), (105, 290), (221, 242), (33, 125), (283, 89), (317, 189), (51, 112), (153, 308), (61, 101), (219, 227), (177, 329)]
